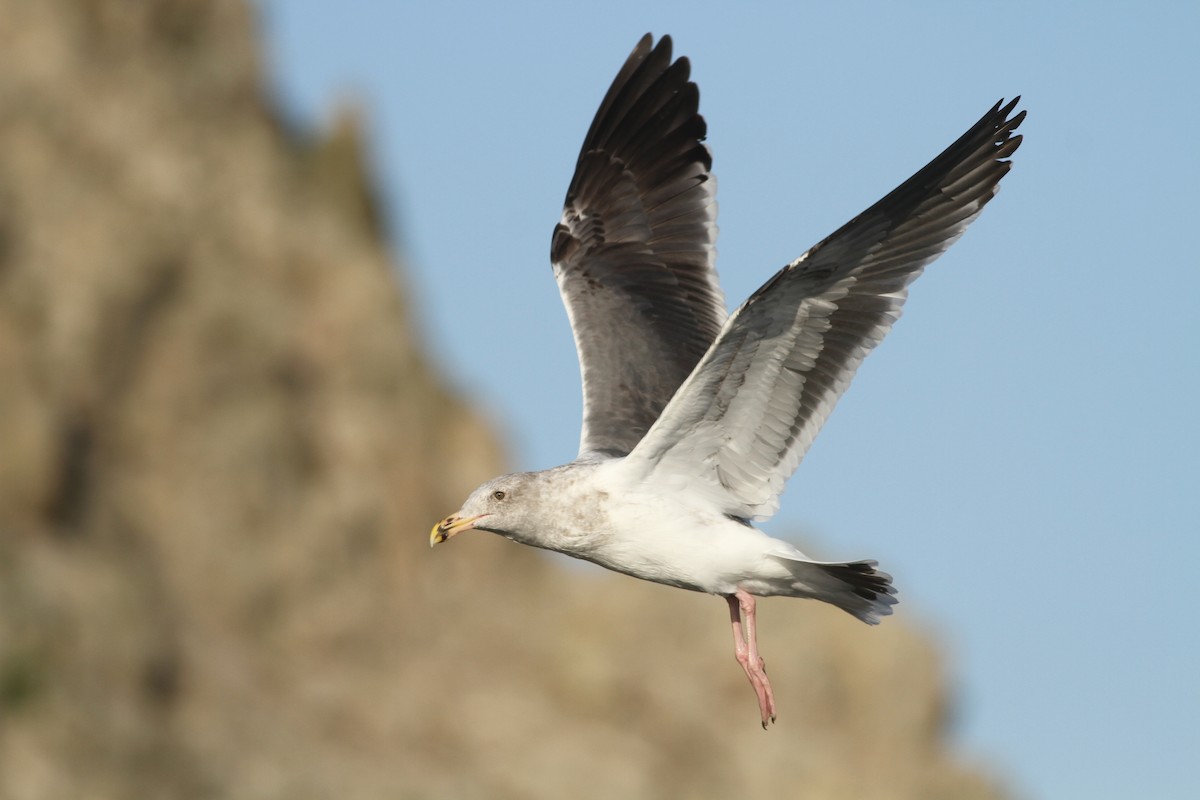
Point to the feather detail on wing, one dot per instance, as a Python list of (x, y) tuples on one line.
[(746, 416), (633, 253)]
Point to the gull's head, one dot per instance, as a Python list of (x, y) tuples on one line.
[(496, 506)]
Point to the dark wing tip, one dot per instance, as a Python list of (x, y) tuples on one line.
[(644, 46), (1006, 124), (965, 174), (647, 137)]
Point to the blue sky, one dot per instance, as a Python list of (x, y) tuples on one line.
[(1022, 453)]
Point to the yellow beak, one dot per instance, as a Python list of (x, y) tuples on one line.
[(450, 526)]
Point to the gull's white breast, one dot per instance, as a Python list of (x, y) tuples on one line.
[(674, 537)]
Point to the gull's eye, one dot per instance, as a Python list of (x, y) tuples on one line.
[(498, 494)]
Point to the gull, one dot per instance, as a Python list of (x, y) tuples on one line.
[(693, 420)]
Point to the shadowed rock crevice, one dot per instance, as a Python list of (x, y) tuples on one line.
[(69, 497)]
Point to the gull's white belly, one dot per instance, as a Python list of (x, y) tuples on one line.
[(684, 547)]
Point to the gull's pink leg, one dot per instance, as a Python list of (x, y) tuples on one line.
[(745, 650)]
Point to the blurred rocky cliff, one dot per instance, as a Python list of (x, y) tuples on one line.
[(221, 450)]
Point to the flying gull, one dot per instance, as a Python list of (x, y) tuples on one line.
[(693, 420)]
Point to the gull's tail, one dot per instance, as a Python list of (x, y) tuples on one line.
[(856, 587)]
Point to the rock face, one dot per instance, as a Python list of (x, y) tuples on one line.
[(221, 451)]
